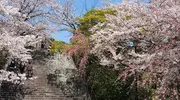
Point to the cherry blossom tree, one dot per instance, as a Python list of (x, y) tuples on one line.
[(15, 36), (145, 39), (24, 23), (46, 12)]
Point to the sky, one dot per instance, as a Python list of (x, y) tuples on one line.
[(81, 7)]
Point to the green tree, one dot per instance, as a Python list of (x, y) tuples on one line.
[(91, 18), (57, 46)]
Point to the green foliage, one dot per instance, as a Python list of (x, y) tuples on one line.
[(57, 46), (127, 17), (93, 17), (103, 83)]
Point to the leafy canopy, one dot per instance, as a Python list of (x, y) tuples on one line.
[(93, 17), (57, 46)]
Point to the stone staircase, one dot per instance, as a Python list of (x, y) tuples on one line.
[(42, 90)]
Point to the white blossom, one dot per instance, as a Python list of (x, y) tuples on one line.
[(154, 29)]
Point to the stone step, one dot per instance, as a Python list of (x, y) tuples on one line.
[(43, 91)]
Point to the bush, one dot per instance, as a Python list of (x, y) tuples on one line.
[(103, 85)]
